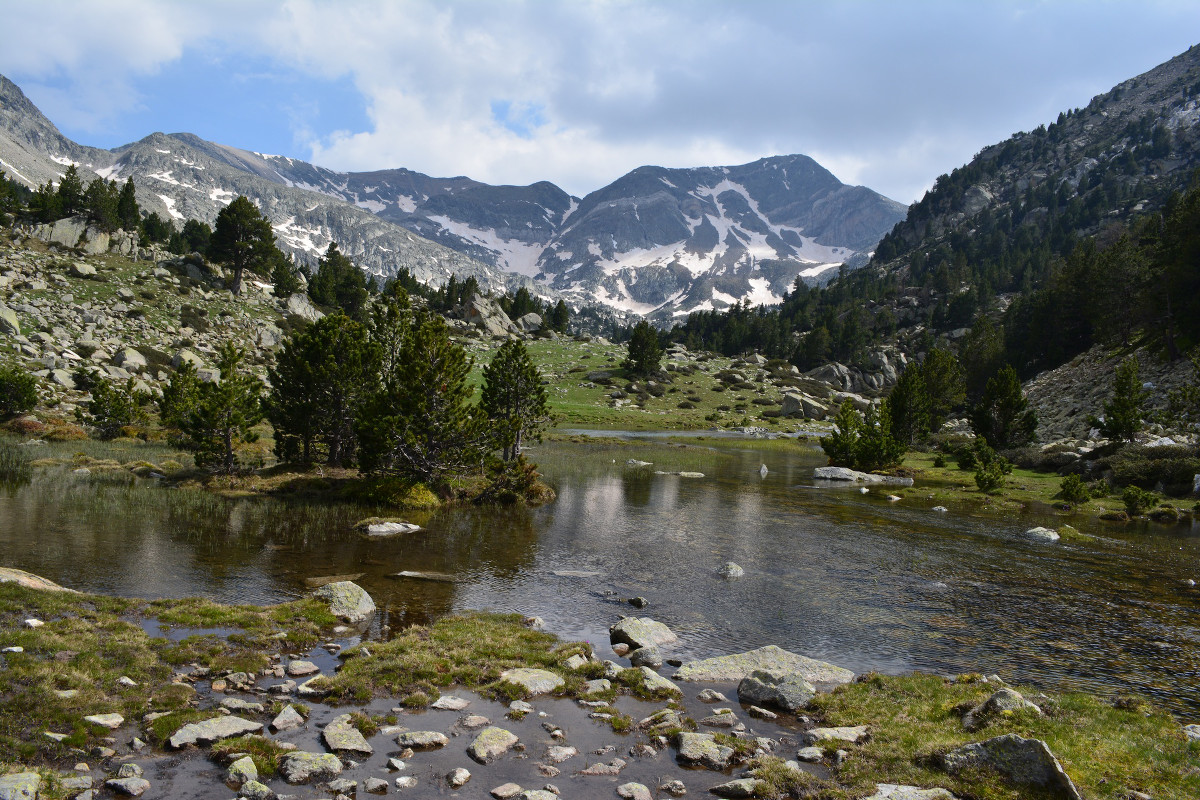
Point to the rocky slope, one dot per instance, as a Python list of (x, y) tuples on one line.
[(656, 241)]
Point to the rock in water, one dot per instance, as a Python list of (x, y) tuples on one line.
[(458, 778), (490, 744), (212, 730), (535, 681), (391, 528), (288, 718), (130, 787), (242, 771), (742, 787), (640, 632), (769, 658), (20, 786), (1021, 760), (1041, 534), (341, 735), (634, 791), (300, 767), (731, 571), (422, 740), (657, 683), (702, 749), (785, 690), (347, 600), (844, 475)]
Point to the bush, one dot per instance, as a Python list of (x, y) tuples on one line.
[(18, 391), (1138, 500), (990, 467), (1073, 490), (1148, 467)]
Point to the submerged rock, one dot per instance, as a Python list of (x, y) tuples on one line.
[(770, 658), (1021, 760), (130, 787), (212, 730), (341, 735), (1040, 534), (702, 749), (730, 571)]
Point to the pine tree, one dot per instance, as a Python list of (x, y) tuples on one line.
[(180, 396), (101, 201), (70, 192), (841, 444), (513, 398), (944, 386), (285, 279), (421, 424), (156, 229), (877, 447), (1123, 412), (195, 237), (128, 214), (645, 355), (225, 414), (242, 240), (560, 317), (910, 405), (322, 376), (1003, 417), (339, 284), (112, 408)]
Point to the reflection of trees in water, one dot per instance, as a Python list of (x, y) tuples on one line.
[(638, 486)]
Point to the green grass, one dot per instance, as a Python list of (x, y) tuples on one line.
[(264, 752)]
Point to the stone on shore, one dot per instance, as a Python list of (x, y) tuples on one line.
[(130, 787), (784, 690), (741, 787), (110, 721), (347, 601), (287, 719), (302, 767), (1040, 534), (634, 791), (770, 659), (422, 740), (844, 475), (20, 786), (640, 632), (702, 749), (1000, 702), (646, 657), (892, 791), (1020, 760), (341, 735), (375, 786), (534, 681), (242, 771), (851, 734), (490, 744), (212, 730), (657, 683), (236, 704)]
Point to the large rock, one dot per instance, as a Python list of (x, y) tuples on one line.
[(845, 475), (341, 735), (702, 749), (486, 314), (530, 322), (130, 359), (68, 231), (1020, 760), (212, 730), (242, 771), (535, 681), (30, 581), (739, 787), (773, 659), (657, 683), (301, 306), (301, 767), (1042, 535), (20, 786), (850, 734), (347, 600), (130, 787), (786, 690), (640, 632), (1000, 702), (422, 740), (288, 718), (892, 791), (490, 744), (8, 321)]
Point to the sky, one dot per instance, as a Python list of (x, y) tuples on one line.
[(884, 93)]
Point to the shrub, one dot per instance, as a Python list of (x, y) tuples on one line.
[(939, 461), (1073, 490), (990, 467), (1138, 500), (1148, 467), (18, 391)]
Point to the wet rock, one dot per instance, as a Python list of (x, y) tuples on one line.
[(313, 687), (770, 658), (237, 704), (761, 713), (287, 719), (449, 702), (20, 786), (673, 788), (242, 771), (473, 721), (639, 602), (1020, 760), (620, 649), (1192, 732), (391, 528), (490, 744), (646, 657), (657, 683), (340, 735), (548, 770), (784, 690), (253, 790), (559, 754), (406, 782), (212, 730), (634, 791), (534, 681), (375, 786), (702, 749), (1040, 534), (347, 600), (742, 787), (725, 718), (730, 571), (520, 706), (130, 787), (458, 777), (302, 767), (851, 734), (811, 754), (422, 740), (891, 791), (610, 769), (661, 721), (641, 632), (1005, 700), (129, 771), (711, 696), (342, 786), (506, 791), (538, 794), (299, 669), (597, 686), (396, 765), (844, 475), (110, 721)]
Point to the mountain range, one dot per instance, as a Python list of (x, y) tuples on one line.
[(656, 242)]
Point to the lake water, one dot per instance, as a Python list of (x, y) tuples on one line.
[(829, 572)]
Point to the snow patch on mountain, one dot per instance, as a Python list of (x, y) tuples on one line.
[(169, 202), (512, 254)]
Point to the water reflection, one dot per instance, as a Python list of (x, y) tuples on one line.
[(831, 573)]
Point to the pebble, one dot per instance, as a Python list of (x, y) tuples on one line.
[(396, 765), (406, 782), (33, 623), (506, 791), (458, 777)]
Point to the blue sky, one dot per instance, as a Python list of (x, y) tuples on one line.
[(886, 94)]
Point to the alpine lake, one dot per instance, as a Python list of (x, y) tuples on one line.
[(830, 572)]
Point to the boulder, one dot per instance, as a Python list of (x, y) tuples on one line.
[(347, 601), (892, 791), (287, 719), (506, 791), (186, 356), (458, 777), (302, 767), (646, 657), (449, 702), (242, 771), (1020, 760), (487, 315), (850, 734), (110, 721), (785, 690), (660, 721), (530, 322), (741, 787), (793, 403), (298, 669), (490, 744), (375, 786), (702, 749), (845, 475), (422, 740), (301, 306), (130, 787), (340, 735), (253, 790), (730, 571), (634, 791), (82, 269), (130, 359), (30, 581), (68, 231), (212, 730), (1005, 700), (534, 681), (657, 683), (20, 786), (1041, 535), (9, 324), (814, 409), (723, 669), (640, 632)]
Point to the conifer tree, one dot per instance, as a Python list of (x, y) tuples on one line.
[(560, 317), (513, 398), (944, 386), (1123, 412), (321, 378), (339, 284), (101, 202), (645, 355), (1003, 417), (70, 192), (910, 405), (225, 414), (128, 214), (242, 240)]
